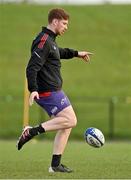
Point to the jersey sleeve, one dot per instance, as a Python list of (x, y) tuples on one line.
[(38, 58), (66, 53)]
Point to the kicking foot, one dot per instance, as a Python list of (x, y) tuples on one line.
[(25, 137), (60, 168)]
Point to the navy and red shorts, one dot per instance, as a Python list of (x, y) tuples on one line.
[(53, 102)]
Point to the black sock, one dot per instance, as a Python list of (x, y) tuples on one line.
[(36, 130), (55, 160)]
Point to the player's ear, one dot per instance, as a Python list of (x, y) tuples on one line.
[(55, 22)]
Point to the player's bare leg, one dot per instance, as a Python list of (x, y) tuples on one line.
[(60, 142), (63, 120)]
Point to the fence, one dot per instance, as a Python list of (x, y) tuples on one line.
[(111, 115)]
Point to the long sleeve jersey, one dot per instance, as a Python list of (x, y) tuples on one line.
[(43, 69)]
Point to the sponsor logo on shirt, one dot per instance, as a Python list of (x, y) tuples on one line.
[(54, 110)]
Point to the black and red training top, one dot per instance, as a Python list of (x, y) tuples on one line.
[(43, 69)]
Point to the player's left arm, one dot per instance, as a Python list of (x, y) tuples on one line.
[(66, 53)]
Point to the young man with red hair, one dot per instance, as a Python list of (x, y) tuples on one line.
[(45, 86)]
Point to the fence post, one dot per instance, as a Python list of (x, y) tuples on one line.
[(112, 103)]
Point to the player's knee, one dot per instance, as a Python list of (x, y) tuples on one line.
[(71, 121), (74, 121)]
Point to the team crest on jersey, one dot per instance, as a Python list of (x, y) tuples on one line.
[(63, 101)]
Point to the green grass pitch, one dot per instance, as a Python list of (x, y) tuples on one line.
[(104, 30), (113, 160)]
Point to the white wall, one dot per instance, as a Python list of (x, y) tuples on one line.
[(71, 1)]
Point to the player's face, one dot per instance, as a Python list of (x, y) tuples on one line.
[(62, 26)]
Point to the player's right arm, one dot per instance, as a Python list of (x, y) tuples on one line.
[(33, 95)]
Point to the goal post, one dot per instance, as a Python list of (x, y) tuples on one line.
[(26, 104)]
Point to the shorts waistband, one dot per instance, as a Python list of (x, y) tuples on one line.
[(45, 94)]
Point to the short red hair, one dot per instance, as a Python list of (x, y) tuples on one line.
[(57, 13)]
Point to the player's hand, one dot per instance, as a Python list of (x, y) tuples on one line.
[(84, 55), (33, 95)]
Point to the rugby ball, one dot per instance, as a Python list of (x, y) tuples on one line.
[(94, 137)]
